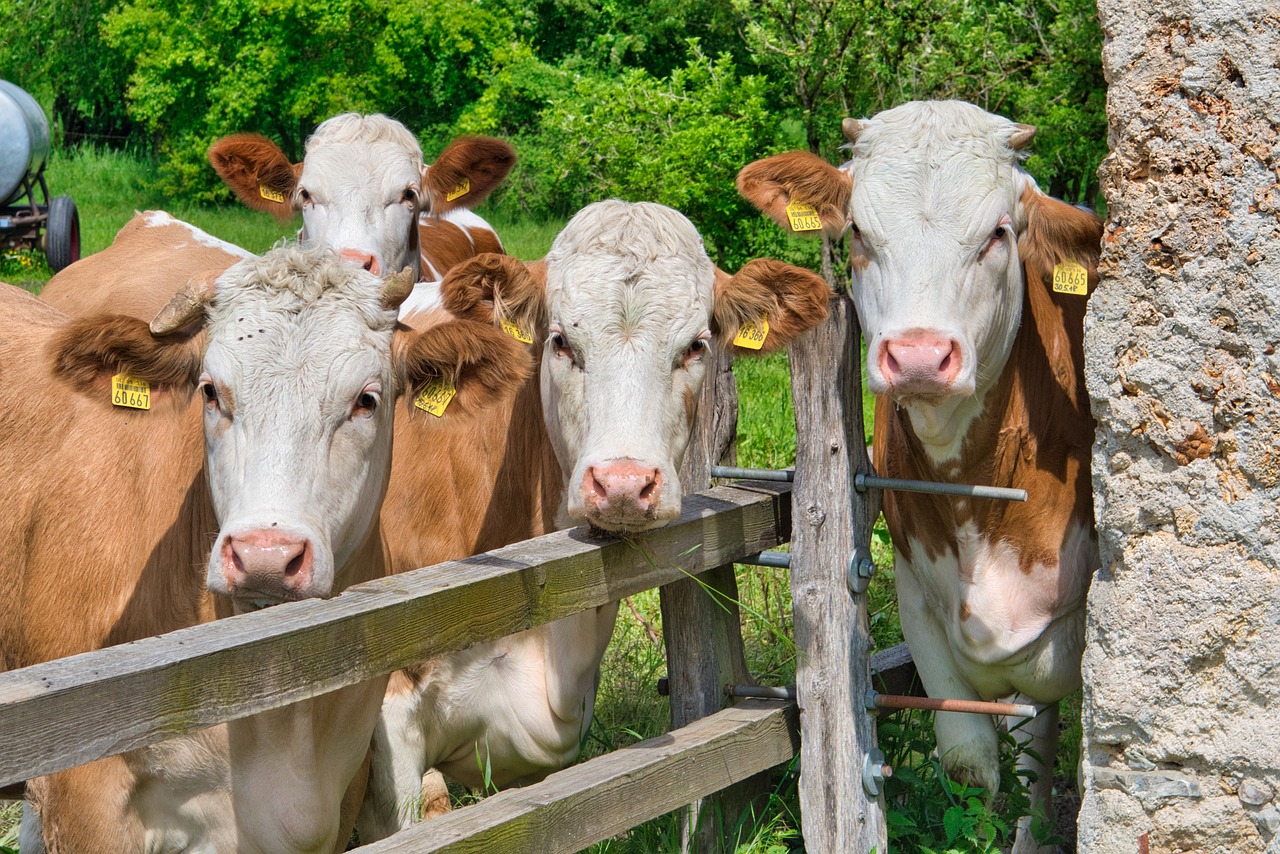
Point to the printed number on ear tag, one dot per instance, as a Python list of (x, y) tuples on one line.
[(130, 392), (435, 396), (270, 194), (752, 334), (460, 189), (516, 332), (1071, 278), (803, 217)]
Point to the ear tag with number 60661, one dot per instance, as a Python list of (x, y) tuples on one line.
[(1070, 278), (752, 333), (803, 217), (130, 392), (435, 396)]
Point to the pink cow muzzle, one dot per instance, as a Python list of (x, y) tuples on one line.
[(267, 566), (362, 259), (623, 494), (920, 364)]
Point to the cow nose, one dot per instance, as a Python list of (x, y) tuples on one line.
[(365, 259), (268, 565), (920, 361), (621, 488)]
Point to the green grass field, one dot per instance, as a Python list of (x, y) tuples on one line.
[(927, 813)]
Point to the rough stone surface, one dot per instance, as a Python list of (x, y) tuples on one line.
[(1182, 662)]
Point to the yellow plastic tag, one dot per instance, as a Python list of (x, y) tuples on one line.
[(752, 334), (516, 332), (804, 217), (130, 392), (461, 189), (1070, 278), (435, 396), (270, 194)]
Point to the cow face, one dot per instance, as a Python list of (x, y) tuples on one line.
[(628, 320), (934, 196), (362, 184)]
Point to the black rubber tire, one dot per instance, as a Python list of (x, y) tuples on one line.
[(62, 233)]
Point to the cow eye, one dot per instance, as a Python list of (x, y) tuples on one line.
[(304, 196), (366, 404), (409, 197), (696, 348), (561, 345), (210, 393), (997, 237)]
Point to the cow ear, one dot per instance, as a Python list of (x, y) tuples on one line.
[(258, 172), (89, 351), (467, 171), (799, 180), (766, 305), (499, 290), (1057, 232), (461, 366)]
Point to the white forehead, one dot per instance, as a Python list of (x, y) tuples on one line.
[(295, 301), (639, 262), (347, 151), (936, 161)]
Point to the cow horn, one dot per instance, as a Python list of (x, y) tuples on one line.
[(851, 128), (396, 288), (1022, 136), (187, 304)]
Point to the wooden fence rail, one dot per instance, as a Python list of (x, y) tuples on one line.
[(70, 711)]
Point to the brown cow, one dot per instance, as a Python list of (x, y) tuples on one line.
[(971, 287)]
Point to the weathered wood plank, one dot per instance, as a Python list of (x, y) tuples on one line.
[(584, 804), (831, 628), (66, 712)]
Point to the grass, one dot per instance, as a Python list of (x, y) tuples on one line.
[(926, 811)]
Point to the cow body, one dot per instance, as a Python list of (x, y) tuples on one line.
[(623, 313), (362, 188), (294, 379), (978, 367)]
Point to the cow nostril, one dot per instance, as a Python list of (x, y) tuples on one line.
[(597, 487), (236, 563), (946, 362), (295, 565)]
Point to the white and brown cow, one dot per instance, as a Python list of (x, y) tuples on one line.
[(970, 284), (363, 189), (264, 456), (624, 312)]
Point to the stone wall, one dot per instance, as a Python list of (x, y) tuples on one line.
[(1182, 664)]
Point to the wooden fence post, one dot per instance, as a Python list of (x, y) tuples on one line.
[(701, 630), (831, 520)]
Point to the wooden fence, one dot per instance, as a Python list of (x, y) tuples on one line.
[(70, 711)]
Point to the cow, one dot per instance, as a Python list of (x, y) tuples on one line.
[(623, 314), (363, 189), (269, 424), (970, 284)]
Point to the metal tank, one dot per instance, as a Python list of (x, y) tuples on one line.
[(24, 139)]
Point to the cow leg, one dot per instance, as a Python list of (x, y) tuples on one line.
[(967, 744), (398, 763), (30, 833), (1038, 736), (435, 795)]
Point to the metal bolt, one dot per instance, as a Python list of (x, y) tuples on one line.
[(860, 570), (875, 772)]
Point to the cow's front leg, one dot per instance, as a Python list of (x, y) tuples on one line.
[(1038, 739), (392, 801), (967, 744)]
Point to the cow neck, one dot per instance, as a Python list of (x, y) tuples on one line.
[(1034, 432)]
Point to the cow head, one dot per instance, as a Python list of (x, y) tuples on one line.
[(296, 371), (628, 309), (938, 211), (362, 184)]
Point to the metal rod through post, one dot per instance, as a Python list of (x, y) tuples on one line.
[(785, 475), (974, 707), (863, 482), (764, 692), (769, 558)]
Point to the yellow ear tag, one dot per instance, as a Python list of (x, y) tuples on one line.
[(1070, 278), (516, 332), (270, 194), (803, 217), (751, 334), (435, 396), (461, 189), (130, 392)]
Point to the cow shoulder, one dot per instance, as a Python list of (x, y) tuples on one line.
[(790, 299), (469, 169), (492, 288), (257, 171), (775, 182)]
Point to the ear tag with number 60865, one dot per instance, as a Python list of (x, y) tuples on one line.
[(752, 333), (1070, 278), (435, 396), (130, 392), (803, 217)]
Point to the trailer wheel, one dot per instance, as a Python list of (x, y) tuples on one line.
[(62, 234)]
